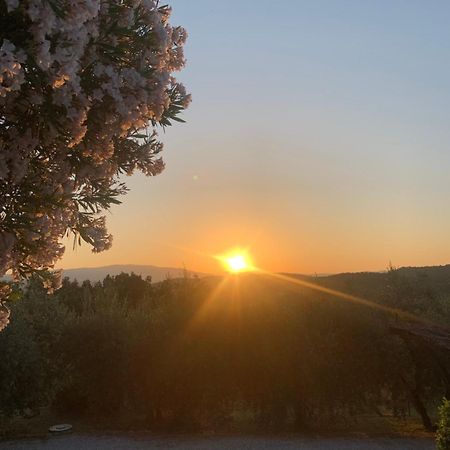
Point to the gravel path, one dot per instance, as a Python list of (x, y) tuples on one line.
[(80, 442)]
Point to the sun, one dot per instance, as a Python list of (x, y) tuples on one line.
[(236, 261)]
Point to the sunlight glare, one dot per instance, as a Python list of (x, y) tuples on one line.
[(236, 261)]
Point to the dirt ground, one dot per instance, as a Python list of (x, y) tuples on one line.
[(147, 442)]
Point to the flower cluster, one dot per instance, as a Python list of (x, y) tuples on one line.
[(83, 85)]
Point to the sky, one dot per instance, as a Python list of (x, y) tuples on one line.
[(318, 138)]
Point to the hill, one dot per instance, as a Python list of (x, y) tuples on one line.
[(156, 273), (428, 281)]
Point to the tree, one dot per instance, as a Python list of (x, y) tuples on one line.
[(83, 87)]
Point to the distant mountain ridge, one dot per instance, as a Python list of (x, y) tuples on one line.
[(157, 273), (438, 276)]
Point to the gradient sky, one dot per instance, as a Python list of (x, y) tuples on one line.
[(318, 136)]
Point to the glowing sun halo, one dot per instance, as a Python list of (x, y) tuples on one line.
[(236, 262)]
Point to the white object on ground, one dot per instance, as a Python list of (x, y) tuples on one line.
[(60, 428)]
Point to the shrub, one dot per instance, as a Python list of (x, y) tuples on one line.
[(443, 433)]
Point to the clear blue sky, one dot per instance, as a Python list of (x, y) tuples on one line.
[(318, 135)]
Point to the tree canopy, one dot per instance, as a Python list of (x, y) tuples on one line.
[(214, 353), (83, 87)]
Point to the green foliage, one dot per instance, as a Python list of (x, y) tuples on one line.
[(443, 433), (188, 353), (29, 368)]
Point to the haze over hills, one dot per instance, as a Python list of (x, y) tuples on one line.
[(99, 273), (439, 276)]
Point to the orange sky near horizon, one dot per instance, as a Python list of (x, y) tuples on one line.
[(280, 237), (323, 149)]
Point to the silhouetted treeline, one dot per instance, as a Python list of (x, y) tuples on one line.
[(205, 353)]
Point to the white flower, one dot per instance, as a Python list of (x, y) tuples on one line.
[(11, 5), (11, 71), (4, 316)]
